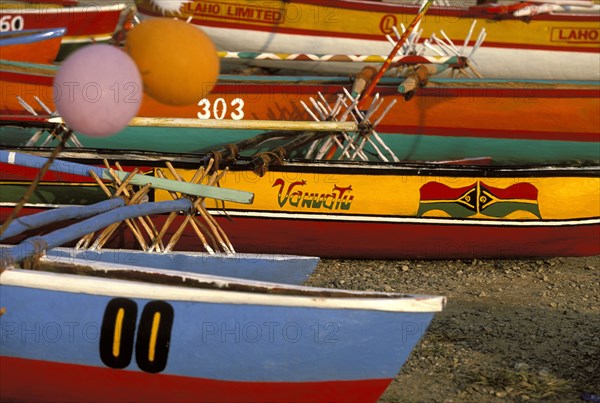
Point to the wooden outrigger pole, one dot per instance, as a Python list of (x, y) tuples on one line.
[(206, 228), (238, 124), (194, 189)]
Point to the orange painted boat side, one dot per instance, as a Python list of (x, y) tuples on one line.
[(517, 111), (31, 46), (535, 110), (36, 52), (520, 110)]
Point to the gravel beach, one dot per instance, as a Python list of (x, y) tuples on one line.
[(512, 331)]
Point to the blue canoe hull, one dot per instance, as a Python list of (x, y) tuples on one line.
[(121, 340)]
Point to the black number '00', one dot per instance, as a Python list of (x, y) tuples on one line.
[(117, 332), (153, 336)]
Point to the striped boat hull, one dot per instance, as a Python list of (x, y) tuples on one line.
[(386, 211), (543, 46), (117, 339), (511, 122)]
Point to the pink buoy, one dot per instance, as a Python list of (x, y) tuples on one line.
[(98, 90)]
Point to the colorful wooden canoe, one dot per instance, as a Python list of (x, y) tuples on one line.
[(157, 250), (31, 45), (360, 210), (546, 46), (121, 333), (510, 121), (92, 22)]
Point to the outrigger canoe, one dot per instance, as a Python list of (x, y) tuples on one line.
[(94, 223), (372, 210), (555, 45), (49, 248), (117, 331), (199, 338), (127, 333), (510, 121)]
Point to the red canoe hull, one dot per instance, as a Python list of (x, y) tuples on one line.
[(410, 241), (67, 382), (368, 238)]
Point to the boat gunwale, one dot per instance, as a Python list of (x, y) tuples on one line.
[(572, 88), (372, 218), (299, 297), (30, 36), (408, 220), (191, 161)]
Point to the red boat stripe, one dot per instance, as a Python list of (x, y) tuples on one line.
[(516, 191), (35, 380), (527, 90), (428, 239), (18, 173), (439, 191)]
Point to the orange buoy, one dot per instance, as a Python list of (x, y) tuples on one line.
[(178, 62)]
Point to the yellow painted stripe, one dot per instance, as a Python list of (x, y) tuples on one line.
[(559, 198), (87, 38), (153, 336), (573, 33), (116, 350)]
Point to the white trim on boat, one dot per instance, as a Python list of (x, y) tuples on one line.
[(81, 253), (377, 219), (408, 220), (38, 205), (134, 289), (493, 62)]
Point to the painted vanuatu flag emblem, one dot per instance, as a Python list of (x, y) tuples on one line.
[(479, 198)]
